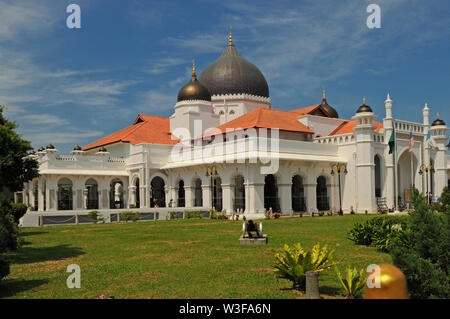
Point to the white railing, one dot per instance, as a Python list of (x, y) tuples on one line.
[(337, 139), (405, 126)]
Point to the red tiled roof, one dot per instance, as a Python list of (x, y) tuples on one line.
[(347, 127), (309, 110), (145, 129), (264, 118)]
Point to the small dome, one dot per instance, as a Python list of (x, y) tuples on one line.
[(364, 107), (50, 147), (438, 122), (32, 152), (41, 149), (232, 74), (77, 148), (103, 150), (194, 90), (328, 108)]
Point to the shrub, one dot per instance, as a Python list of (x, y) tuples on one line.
[(276, 215), (212, 213), (9, 233), (126, 216), (353, 282), (422, 251), (95, 216), (321, 213), (136, 216), (173, 215), (193, 214), (294, 262), (378, 231)]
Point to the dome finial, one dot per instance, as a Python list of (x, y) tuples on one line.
[(230, 38), (193, 69), (364, 100), (323, 94), (438, 115)]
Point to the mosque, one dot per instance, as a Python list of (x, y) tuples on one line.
[(226, 147)]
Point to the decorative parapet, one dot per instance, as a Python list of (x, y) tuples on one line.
[(405, 126), (336, 139), (240, 97)]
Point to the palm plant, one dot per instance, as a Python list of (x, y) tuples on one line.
[(294, 262), (353, 282)]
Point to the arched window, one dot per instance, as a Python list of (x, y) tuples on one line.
[(377, 176), (271, 193), (322, 194), (181, 194), (65, 195), (298, 196), (158, 194), (239, 193), (217, 193), (116, 194), (36, 195), (137, 203), (198, 193), (92, 194), (231, 112)]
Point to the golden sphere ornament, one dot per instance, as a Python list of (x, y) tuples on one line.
[(386, 282)]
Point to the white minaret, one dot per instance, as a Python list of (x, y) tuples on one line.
[(365, 166), (388, 106), (426, 115), (439, 136), (388, 124)]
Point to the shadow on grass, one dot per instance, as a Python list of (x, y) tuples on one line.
[(330, 291), (12, 287), (31, 233), (27, 255)]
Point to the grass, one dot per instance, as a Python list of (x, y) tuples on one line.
[(196, 258)]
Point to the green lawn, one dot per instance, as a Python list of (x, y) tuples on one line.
[(197, 258)]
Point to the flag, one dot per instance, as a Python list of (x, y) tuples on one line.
[(411, 141), (428, 135), (392, 142)]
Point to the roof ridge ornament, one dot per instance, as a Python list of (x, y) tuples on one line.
[(230, 37), (194, 75)]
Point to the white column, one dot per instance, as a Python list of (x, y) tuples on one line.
[(227, 198), (285, 194), (256, 194), (311, 198), (188, 196), (207, 195), (132, 195), (40, 195)]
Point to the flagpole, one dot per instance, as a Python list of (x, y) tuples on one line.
[(395, 170)]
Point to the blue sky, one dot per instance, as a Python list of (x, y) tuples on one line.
[(66, 87)]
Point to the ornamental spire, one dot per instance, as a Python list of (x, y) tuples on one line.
[(323, 94), (230, 38), (193, 69), (364, 100)]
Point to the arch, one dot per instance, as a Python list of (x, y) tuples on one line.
[(91, 186), (137, 198), (298, 194), (65, 194), (198, 192), (221, 112), (407, 165), (239, 193), (157, 194), (378, 187), (116, 194), (217, 193), (322, 194), (36, 195), (231, 112), (271, 199), (181, 194)]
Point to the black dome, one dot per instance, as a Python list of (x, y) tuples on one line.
[(328, 108), (194, 90), (232, 74), (438, 121), (77, 148), (364, 107)]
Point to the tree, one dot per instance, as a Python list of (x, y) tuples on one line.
[(422, 251), (15, 169)]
